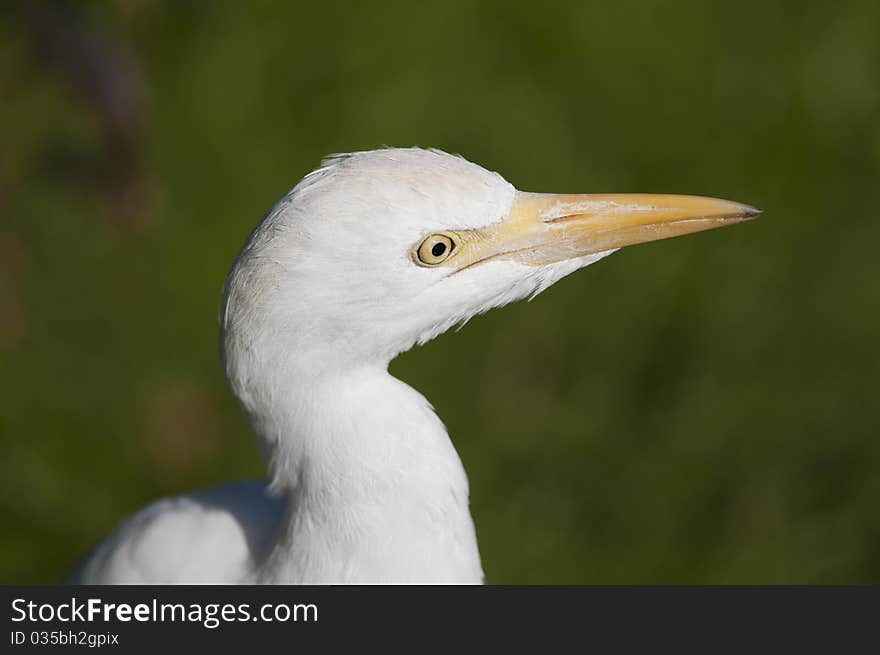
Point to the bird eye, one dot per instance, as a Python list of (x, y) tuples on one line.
[(435, 250)]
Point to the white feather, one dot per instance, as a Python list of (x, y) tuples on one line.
[(319, 300)]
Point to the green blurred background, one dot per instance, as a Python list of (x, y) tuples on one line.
[(701, 410)]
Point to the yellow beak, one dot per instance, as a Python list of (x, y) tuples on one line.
[(545, 228)]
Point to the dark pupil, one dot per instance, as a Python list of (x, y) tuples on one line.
[(438, 249)]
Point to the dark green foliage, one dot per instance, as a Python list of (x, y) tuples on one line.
[(701, 410)]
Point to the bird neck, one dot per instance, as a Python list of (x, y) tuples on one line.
[(376, 491)]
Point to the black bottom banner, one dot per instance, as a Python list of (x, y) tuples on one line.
[(129, 619)]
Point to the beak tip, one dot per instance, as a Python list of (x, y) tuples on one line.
[(747, 212)]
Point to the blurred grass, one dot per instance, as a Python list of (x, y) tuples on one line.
[(702, 410)]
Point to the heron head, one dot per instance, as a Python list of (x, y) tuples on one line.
[(376, 251)]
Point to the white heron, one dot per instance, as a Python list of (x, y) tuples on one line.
[(370, 254)]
